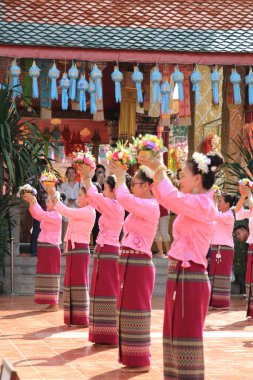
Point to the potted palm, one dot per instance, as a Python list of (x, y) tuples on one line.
[(21, 147)]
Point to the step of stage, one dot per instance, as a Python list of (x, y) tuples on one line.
[(25, 269)]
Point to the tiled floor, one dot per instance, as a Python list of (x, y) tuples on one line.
[(41, 347)]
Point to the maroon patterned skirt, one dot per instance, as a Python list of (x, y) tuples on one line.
[(136, 284), (76, 285), (220, 275), (249, 282), (48, 271), (103, 295), (186, 306)]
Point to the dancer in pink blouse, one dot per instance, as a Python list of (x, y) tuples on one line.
[(47, 279), (241, 214), (77, 238), (136, 270), (222, 252), (105, 277), (188, 286)]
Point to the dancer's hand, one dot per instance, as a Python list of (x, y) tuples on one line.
[(28, 197), (51, 190), (244, 191), (152, 163), (85, 171)]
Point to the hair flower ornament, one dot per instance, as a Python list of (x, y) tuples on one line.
[(147, 171), (202, 162)]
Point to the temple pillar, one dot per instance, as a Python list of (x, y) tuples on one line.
[(205, 116), (233, 115)]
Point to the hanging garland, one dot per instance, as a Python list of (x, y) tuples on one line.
[(82, 86), (249, 82), (235, 79), (54, 74), (92, 92), (178, 78), (137, 77), (96, 75), (165, 90), (117, 77), (196, 79), (65, 84), (73, 75), (34, 73), (215, 79), (156, 78), (15, 71)]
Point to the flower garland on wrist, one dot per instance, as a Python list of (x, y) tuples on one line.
[(27, 188)]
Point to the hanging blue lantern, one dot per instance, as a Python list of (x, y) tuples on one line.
[(178, 78), (92, 92), (156, 78), (73, 75), (235, 79), (96, 75), (165, 90), (82, 86), (215, 79), (54, 74), (196, 79), (137, 77), (15, 71), (117, 77), (65, 84), (34, 73), (249, 82)]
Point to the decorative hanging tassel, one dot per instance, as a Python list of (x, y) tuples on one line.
[(196, 79), (73, 75), (178, 78), (65, 84), (117, 77), (249, 82), (82, 86), (54, 74), (215, 79), (92, 92), (137, 77), (235, 79), (156, 78), (15, 71), (34, 73), (165, 90), (96, 75)]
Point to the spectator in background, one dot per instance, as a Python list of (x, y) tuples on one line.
[(71, 190), (98, 178), (162, 234)]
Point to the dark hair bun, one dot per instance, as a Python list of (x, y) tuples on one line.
[(111, 181), (62, 197), (232, 199), (216, 161)]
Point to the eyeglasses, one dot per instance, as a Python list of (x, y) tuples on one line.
[(136, 183), (101, 172)]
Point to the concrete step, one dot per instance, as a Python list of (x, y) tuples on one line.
[(25, 269)]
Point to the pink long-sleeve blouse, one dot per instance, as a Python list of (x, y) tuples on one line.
[(141, 223), (223, 228), (193, 227), (112, 217), (247, 214), (81, 222), (50, 224)]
